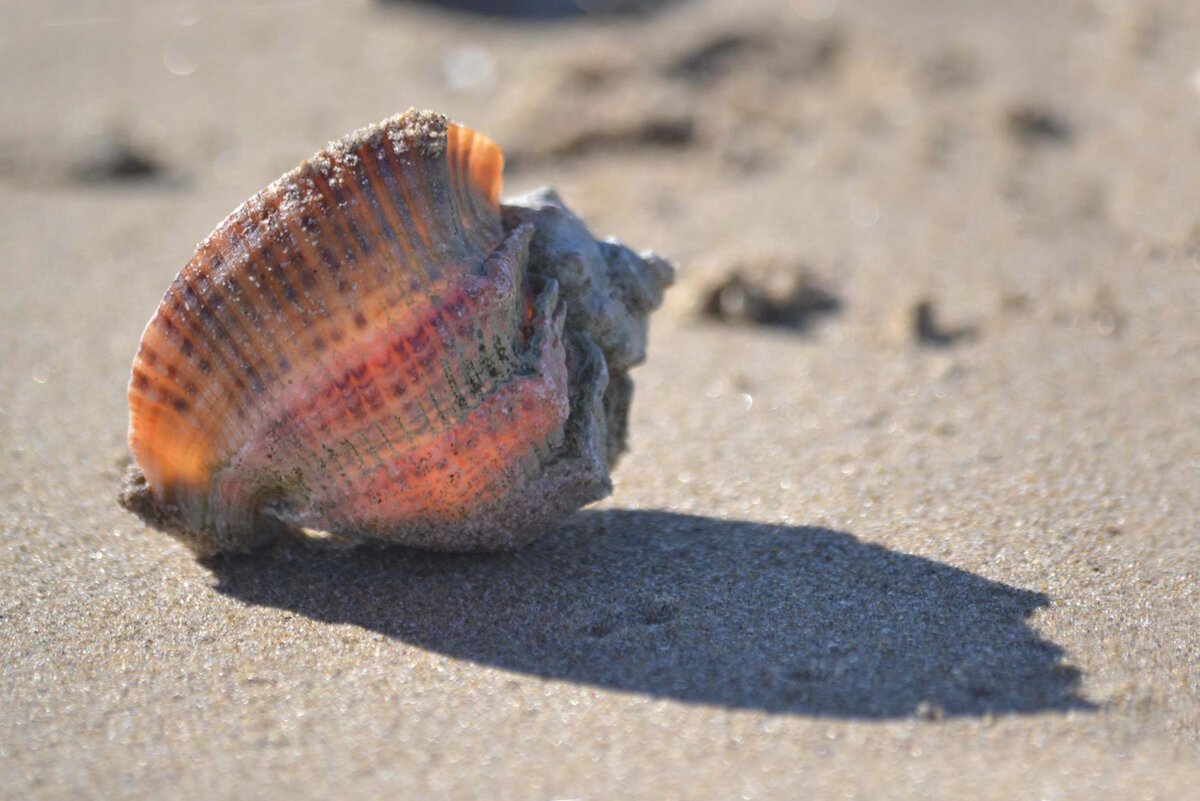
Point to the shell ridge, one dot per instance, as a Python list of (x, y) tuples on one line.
[(463, 183), (472, 158), (281, 314), (254, 303), (334, 210), (328, 229), (373, 219), (479, 219), (443, 210), (149, 379), (457, 174), (198, 306), (483, 164), (189, 301), (392, 167), (213, 320), (408, 252), (428, 186), (475, 194), (345, 206), (296, 218), (276, 276)]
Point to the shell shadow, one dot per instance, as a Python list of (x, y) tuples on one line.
[(743, 615)]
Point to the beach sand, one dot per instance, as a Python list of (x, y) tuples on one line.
[(935, 535)]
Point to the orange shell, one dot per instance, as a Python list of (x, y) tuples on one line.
[(360, 349)]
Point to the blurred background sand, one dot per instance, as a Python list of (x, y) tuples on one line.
[(911, 507)]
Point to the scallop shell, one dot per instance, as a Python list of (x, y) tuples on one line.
[(374, 347)]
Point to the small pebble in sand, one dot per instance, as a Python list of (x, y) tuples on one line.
[(113, 156), (770, 295), (927, 330), (1034, 125)]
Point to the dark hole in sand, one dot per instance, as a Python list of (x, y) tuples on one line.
[(744, 615), (744, 300), (785, 53), (667, 131), (713, 58), (1035, 125), (928, 330), (542, 9), (659, 131), (114, 158)]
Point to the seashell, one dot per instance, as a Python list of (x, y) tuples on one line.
[(374, 347)]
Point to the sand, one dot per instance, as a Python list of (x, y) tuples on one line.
[(940, 539)]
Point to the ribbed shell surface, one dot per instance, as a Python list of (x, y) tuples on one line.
[(354, 349)]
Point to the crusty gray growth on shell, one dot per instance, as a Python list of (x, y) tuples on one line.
[(609, 292)]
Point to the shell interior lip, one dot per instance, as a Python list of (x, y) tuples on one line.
[(373, 347)]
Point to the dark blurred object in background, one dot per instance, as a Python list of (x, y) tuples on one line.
[(544, 9), (784, 296), (113, 156)]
